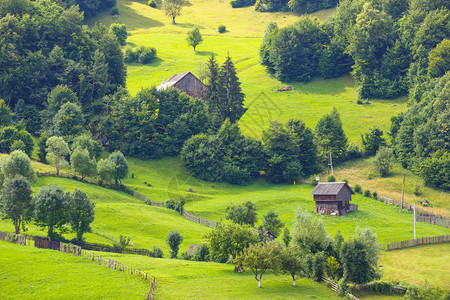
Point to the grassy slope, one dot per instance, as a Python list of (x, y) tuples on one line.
[(199, 280), (418, 264), (358, 171), (31, 273), (169, 180), (117, 213), (150, 27)]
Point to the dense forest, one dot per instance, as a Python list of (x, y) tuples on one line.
[(385, 44), (64, 81)]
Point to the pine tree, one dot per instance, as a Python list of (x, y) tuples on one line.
[(212, 92), (231, 99), (331, 136)]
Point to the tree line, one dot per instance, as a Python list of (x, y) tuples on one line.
[(385, 44)]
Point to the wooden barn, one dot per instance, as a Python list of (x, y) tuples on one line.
[(333, 198), (185, 82)]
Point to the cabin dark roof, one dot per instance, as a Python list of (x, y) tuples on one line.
[(329, 188), (172, 80)]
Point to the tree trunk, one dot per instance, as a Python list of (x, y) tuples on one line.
[(173, 20), (293, 278), (17, 226), (259, 283), (194, 48)]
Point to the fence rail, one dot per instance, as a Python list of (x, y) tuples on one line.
[(335, 287), (416, 242)]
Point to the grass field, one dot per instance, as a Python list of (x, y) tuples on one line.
[(117, 213), (418, 264), (200, 280), (361, 171), (31, 273), (150, 27), (169, 179)]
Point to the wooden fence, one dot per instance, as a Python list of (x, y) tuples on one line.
[(416, 242), (199, 220), (46, 244), (423, 214), (335, 287)]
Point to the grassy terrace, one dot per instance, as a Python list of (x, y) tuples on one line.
[(31, 273)]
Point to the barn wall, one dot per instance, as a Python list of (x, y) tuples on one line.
[(344, 195), (191, 85), (324, 197)]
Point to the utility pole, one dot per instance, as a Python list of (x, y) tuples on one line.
[(414, 220), (330, 163), (403, 189)]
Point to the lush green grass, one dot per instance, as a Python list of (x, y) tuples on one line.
[(169, 179), (199, 280), (117, 213), (32, 273), (361, 171), (150, 27), (418, 264)]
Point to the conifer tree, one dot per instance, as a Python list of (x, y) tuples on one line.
[(331, 136)]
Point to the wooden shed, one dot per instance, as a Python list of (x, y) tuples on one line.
[(185, 82), (332, 198)]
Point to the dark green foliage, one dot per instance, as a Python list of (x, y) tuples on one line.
[(372, 140), (157, 252), (194, 37), (10, 134), (91, 7), (330, 136), (375, 195), (242, 214), (15, 202), (331, 178), (82, 163), (366, 193), (120, 163), (86, 141), (106, 171), (439, 59), (17, 163), (123, 242), (174, 240), (227, 156), (50, 208), (270, 5), (290, 150), (384, 161), (80, 212), (435, 170), (69, 120), (319, 266), (272, 223), (120, 31), (152, 3), (425, 292), (286, 237), (357, 189), (309, 234), (309, 6), (5, 114), (221, 28), (266, 46), (242, 3), (201, 253), (115, 11)]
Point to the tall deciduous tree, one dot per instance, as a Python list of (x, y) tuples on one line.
[(82, 163), (172, 8), (120, 163), (57, 150), (272, 223), (174, 240), (292, 263), (106, 170), (331, 136), (261, 257), (372, 140), (384, 161), (42, 148), (50, 208), (17, 163), (15, 201), (69, 120), (80, 212), (242, 214), (194, 37)]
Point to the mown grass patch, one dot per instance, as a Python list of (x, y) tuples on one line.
[(206, 280), (416, 265), (32, 273)]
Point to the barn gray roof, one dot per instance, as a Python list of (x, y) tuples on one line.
[(192, 249), (329, 188), (171, 81)]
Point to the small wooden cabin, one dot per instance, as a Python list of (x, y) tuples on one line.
[(332, 198), (185, 82)]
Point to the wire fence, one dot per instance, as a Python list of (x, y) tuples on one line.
[(416, 242)]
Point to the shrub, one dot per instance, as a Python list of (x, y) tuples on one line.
[(185, 256), (123, 242), (345, 180), (130, 55), (375, 195), (221, 28), (366, 193), (384, 161), (120, 31), (359, 101), (157, 252), (174, 240), (170, 204), (242, 3), (357, 189), (146, 54), (417, 191), (319, 266), (115, 11), (152, 3), (331, 178), (201, 253)]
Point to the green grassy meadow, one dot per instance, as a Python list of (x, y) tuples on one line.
[(416, 265), (32, 273), (245, 28), (206, 280)]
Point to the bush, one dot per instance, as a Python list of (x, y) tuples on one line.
[(376, 287), (146, 54), (221, 28), (157, 252), (384, 161), (345, 180), (357, 189), (152, 3), (115, 11), (201, 253), (130, 55), (331, 178), (375, 195), (170, 204), (366, 193), (417, 191), (242, 3), (319, 266), (123, 242), (185, 256)]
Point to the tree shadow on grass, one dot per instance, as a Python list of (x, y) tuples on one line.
[(188, 25), (204, 53)]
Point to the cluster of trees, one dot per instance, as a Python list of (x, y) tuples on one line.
[(44, 46), (288, 152), (143, 55), (50, 207), (91, 7), (296, 6), (307, 252), (387, 43)]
